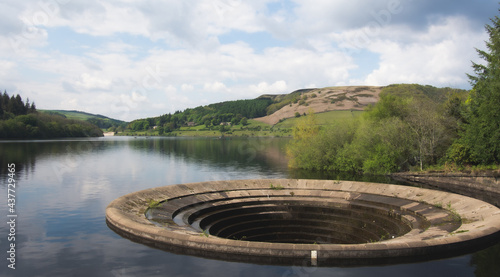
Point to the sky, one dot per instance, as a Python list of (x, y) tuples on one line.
[(130, 59)]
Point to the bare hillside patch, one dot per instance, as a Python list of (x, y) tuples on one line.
[(327, 99)]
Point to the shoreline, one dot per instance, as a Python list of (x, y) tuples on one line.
[(194, 134)]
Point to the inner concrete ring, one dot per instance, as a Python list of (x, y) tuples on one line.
[(305, 222)]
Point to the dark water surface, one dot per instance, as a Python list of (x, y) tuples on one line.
[(64, 186)]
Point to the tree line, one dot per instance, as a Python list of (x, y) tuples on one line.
[(14, 105), (479, 140), (412, 127), (233, 112), (19, 120)]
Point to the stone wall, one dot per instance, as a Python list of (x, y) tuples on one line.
[(484, 186)]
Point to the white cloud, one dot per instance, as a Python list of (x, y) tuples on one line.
[(138, 97), (93, 82), (339, 15), (120, 47), (187, 87), (440, 56), (6, 67), (131, 59), (170, 90), (99, 18), (215, 87), (265, 88)]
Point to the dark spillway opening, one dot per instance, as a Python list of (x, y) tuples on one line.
[(287, 222), (299, 222)]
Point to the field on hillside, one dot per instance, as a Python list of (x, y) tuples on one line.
[(326, 118), (71, 114)]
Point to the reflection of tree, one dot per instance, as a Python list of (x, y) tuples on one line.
[(21, 154), (218, 152), (487, 262), (25, 153)]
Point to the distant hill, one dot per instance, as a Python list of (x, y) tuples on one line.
[(101, 121), (20, 120), (272, 109), (319, 100)]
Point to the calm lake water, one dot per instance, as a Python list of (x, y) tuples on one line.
[(63, 188)]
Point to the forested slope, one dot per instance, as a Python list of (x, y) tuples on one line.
[(19, 120), (411, 126)]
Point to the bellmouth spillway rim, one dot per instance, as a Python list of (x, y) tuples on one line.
[(197, 217)]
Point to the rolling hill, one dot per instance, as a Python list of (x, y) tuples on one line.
[(278, 113), (351, 98), (101, 121)]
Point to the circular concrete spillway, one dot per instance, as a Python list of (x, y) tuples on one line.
[(300, 219), (313, 222)]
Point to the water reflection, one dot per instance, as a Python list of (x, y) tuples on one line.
[(219, 152), (266, 154), (64, 187), (486, 262)]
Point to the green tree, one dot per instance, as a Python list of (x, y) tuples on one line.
[(223, 129), (145, 125), (382, 146), (341, 154), (5, 100), (235, 121), (299, 151), (426, 125), (16, 105), (479, 142)]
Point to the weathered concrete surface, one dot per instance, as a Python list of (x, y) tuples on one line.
[(483, 185), (478, 222)]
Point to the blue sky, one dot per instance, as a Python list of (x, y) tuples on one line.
[(131, 59)]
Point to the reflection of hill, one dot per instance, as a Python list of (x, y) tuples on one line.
[(217, 152), (266, 153), (275, 156), (25, 154)]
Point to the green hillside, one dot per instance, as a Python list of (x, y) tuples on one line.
[(275, 115), (101, 121), (281, 100), (326, 118), (20, 120)]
